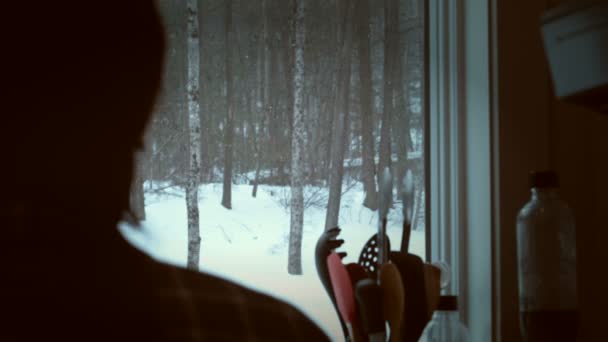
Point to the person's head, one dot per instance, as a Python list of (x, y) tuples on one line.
[(83, 77)]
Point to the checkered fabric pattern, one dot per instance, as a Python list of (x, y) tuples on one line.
[(128, 296)]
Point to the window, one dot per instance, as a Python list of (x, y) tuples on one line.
[(240, 100), (462, 133)]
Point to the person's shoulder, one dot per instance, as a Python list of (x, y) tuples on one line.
[(225, 307)]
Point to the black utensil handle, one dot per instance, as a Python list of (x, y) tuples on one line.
[(383, 250), (369, 299)]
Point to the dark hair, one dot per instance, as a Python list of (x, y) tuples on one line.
[(83, 78)]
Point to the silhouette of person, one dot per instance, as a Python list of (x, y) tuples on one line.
[(81, 82)]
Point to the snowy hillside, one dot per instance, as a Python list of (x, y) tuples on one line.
[(248, 244)]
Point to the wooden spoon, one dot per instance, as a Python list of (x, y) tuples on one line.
[(392, 299)]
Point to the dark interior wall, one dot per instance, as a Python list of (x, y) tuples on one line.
[(536, 132), (579, 152), (523, 133)]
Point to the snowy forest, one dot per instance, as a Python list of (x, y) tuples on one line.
[(297, 103)]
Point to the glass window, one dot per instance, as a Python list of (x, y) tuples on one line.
[(269, 129)]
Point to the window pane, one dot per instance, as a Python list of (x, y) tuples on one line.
[(230, 120)]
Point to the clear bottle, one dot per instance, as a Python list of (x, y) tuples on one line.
[(445, 325), (546, 251)]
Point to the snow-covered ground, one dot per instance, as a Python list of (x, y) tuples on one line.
[(248, 244)]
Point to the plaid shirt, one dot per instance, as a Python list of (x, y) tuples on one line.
[(212, 309), (132, 297)]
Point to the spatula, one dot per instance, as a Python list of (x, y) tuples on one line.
[(369, 303), (415, 313), (369, 256), (345, 296), (356, 273), (325, 245), (392, 299)]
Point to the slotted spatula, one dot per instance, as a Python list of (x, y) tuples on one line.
[(369, 256)]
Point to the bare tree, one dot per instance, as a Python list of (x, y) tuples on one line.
[(263, 78), (230, 107), (340, 119), (401, 126), (294, 264), (137, 200), (365, 79), (289, 79), (390, 47), (194, 239)]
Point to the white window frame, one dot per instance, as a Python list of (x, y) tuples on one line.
[(444, 134), (461, 154)]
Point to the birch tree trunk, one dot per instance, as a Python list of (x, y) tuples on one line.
[(229, 126), (340, 122), (194, 127), (365, 77), (294, 264)]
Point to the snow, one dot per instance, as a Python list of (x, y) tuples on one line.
[(248, 244)]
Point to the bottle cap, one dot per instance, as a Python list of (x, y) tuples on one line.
[(448, 303), (543, 179)]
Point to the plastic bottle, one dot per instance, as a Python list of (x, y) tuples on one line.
[(445, 325), (546, 250)]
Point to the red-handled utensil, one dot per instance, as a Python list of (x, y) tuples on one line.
[(345, 296)]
